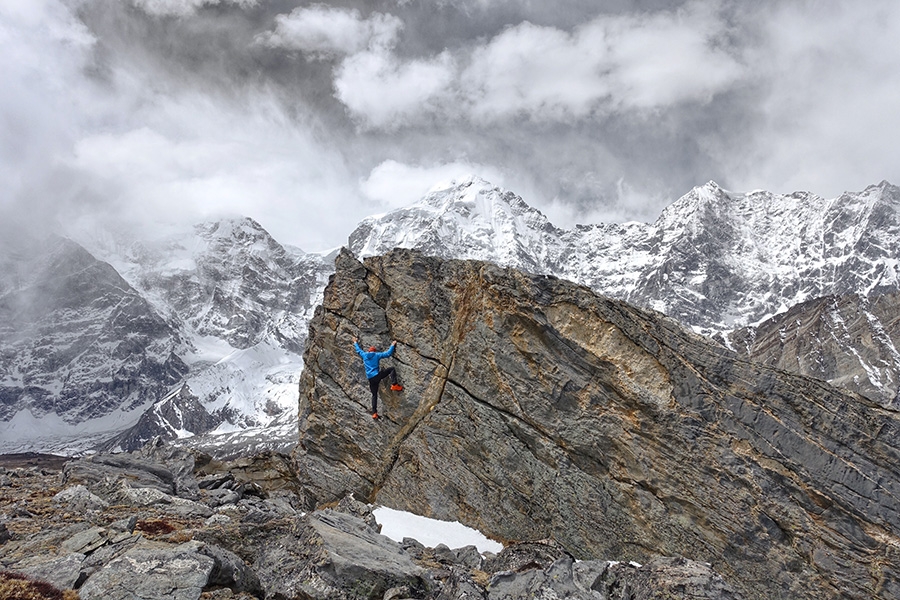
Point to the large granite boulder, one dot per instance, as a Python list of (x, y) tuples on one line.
[(534, 408)]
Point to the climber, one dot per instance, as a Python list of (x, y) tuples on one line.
[(371, 360)]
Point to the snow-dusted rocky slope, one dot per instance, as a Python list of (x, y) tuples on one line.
[(231, 307), (850, 341), (79, 346)]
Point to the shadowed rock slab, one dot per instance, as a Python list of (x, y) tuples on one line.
[(337, 556)]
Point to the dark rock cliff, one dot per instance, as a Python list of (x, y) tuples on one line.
[(534, 408)]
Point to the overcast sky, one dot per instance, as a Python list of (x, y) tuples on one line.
[(309, 117)]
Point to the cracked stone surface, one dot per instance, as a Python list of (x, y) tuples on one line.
[(534, 408), (179, 573)]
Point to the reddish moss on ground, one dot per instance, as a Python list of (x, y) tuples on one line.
[(154, 527), (14, 586)]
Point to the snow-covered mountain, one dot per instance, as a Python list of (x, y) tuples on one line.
[(850, 341), (78, 344), (715, 260), (242, 302), (228, 308), (468, 219)]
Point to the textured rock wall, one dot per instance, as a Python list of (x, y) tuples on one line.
[(534, 408), (850, 341)]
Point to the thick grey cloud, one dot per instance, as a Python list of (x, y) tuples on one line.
[(309, 116)]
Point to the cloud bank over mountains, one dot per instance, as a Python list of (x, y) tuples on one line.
[(310, 116)]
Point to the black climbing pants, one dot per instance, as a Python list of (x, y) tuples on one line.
[(375, 381)]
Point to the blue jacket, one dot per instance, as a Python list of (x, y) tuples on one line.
[(371, 359)]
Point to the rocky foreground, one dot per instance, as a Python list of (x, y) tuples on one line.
[(166, 524), (535, 408)]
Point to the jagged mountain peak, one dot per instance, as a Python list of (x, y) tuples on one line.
[(475, 196), (470, 198), (232, 226), (239, 232), (693, 212), (884, 186), (466, 218)]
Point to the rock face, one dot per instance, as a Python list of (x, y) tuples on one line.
[(850, 341), (534, 408)]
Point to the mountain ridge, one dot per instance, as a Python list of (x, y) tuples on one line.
[(236, 303), (714, 260), (706, 233)]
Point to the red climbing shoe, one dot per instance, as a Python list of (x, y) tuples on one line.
[(397, 388), (374, 415)]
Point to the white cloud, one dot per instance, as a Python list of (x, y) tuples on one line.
[(121, 114), (396, 185), (666, 58), (190, 160), (324, 32), (831, 89), (610, 64), (538, 71), (182, 8), (383, 92), (613, 63), (43, 49)]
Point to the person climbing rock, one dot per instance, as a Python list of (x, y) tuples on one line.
[(374, 373)]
